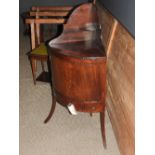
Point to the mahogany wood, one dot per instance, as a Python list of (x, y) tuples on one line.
[(78, 63), (52, 108), (108, 24)]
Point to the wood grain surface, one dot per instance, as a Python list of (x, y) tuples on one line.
[(78, 63), (120, 80)]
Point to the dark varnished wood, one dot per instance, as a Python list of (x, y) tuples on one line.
[(102, 119), (89, 49), (78, 63), (52, 108), (79, 80)]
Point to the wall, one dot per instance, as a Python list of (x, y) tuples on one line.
[(124, 11), (25, 5), (119, 45)]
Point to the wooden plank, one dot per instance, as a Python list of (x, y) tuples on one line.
[(46, 21), (37, 31), (50, 14), (50, 8), (120, 51), (111, 37), (123, 137), (107, 23), (126, 47), (32, 35), (120, 89)]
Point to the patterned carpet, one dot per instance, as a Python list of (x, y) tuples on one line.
[(64, 134)]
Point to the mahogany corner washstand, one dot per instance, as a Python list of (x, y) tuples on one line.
[(78, 64)]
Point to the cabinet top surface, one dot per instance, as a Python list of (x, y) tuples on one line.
[(80, 49)]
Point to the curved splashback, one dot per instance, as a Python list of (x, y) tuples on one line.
[(81, 25)]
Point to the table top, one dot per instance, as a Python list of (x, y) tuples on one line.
[(80, 49)]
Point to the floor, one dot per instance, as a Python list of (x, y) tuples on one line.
[(64, 134)]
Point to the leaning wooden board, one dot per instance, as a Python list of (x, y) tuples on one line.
[(120, 79)]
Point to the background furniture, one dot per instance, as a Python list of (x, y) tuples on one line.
[(39, 50), (78, 64)]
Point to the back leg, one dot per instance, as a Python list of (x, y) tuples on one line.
[(102, 119), (52, 109), (34, 68)]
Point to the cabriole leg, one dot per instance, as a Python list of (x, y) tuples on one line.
[(52, 109)]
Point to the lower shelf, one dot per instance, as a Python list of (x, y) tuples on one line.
[(44, 77)]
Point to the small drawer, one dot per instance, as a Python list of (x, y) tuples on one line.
[(89, 107)]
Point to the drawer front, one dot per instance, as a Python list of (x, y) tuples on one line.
[(80, 80), (89, 107), (83, 106)]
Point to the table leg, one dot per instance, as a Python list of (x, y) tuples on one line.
[(52, 109), (102, 119)]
